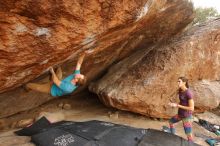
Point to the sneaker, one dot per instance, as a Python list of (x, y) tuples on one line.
[(167, 129)]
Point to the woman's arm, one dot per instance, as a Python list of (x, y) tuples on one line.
[(54, 77), (190, 107), (80, 61)]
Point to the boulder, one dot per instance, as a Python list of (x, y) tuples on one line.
[(147, 81), (37, 35)]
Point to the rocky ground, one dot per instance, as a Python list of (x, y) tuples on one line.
[(83, 108)]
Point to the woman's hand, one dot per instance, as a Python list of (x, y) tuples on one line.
[(173, 104)]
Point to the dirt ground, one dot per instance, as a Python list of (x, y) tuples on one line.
[(84, 108)]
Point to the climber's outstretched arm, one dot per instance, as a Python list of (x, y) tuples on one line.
[(80, 61), (55, 78)]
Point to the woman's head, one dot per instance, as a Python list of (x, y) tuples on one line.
[(80, 79), (183, 82)]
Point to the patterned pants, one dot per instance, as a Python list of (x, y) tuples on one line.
[(187, 124)]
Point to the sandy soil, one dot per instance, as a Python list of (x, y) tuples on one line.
[(88, 107)]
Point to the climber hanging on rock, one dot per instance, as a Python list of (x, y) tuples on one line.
[(58, 86)]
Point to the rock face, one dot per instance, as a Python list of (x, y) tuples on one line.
[(146, 81), (207, 93), (37, 35)]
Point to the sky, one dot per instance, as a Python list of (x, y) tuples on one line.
[(207, 3)]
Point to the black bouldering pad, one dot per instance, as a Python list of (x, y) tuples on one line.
[(98, 133)]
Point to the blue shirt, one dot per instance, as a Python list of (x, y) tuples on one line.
[(66, 86)]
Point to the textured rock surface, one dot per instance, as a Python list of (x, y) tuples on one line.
[(208, 92), (147, 81), (37, 35)]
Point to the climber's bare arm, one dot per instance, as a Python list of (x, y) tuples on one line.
[(190, 107), (80, 61), (54, 77)]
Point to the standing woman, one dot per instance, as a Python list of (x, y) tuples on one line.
[(185, 108)]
